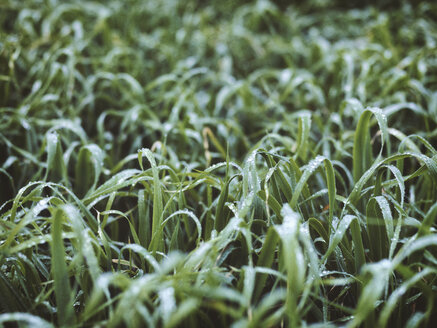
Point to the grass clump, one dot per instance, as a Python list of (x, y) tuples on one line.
[(244, 164)]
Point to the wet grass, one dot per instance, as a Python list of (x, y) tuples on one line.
[(244, 164)]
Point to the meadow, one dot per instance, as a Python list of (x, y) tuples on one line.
[(218, 164)]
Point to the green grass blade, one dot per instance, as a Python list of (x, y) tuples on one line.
[(157, 243), (265, 259), (63, 291)]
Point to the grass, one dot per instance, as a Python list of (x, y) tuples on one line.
[(244, 164)]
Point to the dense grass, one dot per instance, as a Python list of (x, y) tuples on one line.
[(245, 164)]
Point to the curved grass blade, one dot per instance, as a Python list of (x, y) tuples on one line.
[(362, 152)]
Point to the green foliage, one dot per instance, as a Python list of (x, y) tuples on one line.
[(195, 164)]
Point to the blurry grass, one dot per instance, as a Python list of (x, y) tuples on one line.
[(245, 164)]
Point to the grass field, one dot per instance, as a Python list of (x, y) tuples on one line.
[(218, 164)]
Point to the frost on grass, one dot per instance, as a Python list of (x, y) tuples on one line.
[(228, 164)]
